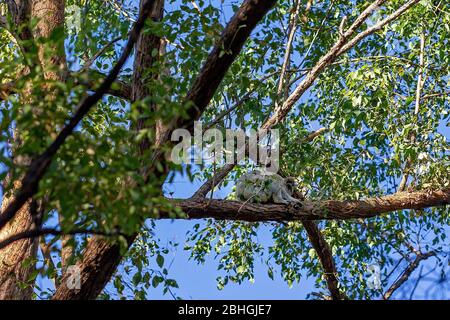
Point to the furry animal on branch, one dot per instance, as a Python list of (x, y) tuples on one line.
[(255, 186)]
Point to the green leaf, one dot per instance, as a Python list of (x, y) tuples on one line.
[(160, 260)]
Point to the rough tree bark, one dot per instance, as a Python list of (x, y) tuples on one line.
[(13, 274), (197, 208)]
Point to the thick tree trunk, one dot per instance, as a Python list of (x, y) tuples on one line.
[(100, 260), (17, 261), (50, 16), (14, 275)]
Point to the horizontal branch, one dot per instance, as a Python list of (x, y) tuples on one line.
[(119, 88), (50, 231), (200, 208)]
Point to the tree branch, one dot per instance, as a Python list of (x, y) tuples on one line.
[(221, 57), (50, 231), (16, 39), (319, 243), (287, 53), (119, 88), (380, 25), (46, 253), (226, 112), (311, 210), (221, 174), (88, 63), (212, 182), (304, 16), (213, 71), (310, 137), (314, 234), (3, 22), (325, 255), (199, 208), (419, 87), (407, 273), (19, 30), (121, 10), (6, 89), (238, 103), (435, 95), (341, 46), (322, 248), (102, 258), (38, 167)]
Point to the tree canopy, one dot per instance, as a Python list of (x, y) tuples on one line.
[(91, 92)]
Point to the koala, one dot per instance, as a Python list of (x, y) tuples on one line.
[(265, 188)]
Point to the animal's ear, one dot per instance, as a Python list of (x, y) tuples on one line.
[(291, 183), (291, 180)]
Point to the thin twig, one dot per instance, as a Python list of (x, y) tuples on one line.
[(287, 53), (89, 63), (416, 284), (311, 136), (226, 112), (407, 273)]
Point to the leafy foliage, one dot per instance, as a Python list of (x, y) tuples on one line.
[(366, 100)]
